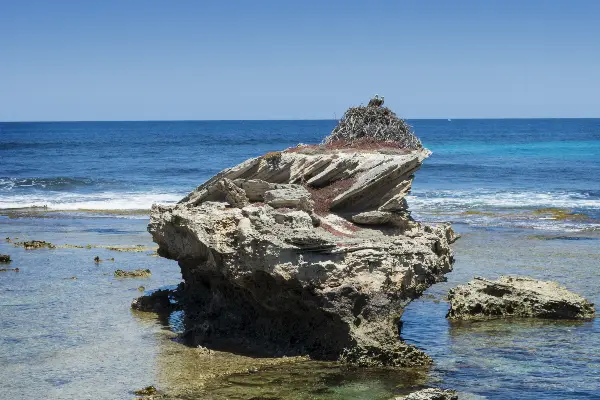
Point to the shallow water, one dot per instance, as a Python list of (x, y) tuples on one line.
[(63, 338)]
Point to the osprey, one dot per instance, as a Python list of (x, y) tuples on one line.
[(376, 101)]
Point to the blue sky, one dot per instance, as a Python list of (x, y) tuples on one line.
[(154, 60)]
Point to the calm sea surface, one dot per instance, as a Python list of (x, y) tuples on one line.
[(525, 194)]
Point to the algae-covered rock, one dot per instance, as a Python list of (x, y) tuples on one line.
[(147, 391), (9, 269), (35, 244), (138, 273), (515, 296), (4, 258)]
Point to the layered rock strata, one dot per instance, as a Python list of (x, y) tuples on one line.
[(513, 296), (310, 251)]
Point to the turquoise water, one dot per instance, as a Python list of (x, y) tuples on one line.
[(64, 338)]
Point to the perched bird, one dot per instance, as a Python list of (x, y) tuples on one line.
[(376, 101)]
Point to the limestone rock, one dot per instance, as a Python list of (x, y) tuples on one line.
[(431, 394), (290, 196), (234, 195), (376, 176), (372, 218), (269, 276), (255, 188), (513, 296), (398, 219)]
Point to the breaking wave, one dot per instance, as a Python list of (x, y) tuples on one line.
[(451, 200), (96, 201)]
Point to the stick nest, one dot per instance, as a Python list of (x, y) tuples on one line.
[(375, 123)]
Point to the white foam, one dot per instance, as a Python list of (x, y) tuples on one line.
[(97, 201), (484, 198)]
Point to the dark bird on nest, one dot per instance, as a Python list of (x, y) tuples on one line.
[(376, 101)]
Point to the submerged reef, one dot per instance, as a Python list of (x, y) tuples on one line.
[(138, 273), (35, 244), (514, 296), (308, 251)]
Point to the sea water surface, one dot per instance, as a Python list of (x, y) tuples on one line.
[(525, 194)]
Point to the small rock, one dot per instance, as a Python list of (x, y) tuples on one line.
[(513, 296), (4, 258), (138, 273), (292, 196), (97, 259), (9, 269), (147, 391), (430, 394), (372, 218)]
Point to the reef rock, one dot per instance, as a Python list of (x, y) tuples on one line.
[(513, 296), (274, 265), (430, 394), (138, 273)]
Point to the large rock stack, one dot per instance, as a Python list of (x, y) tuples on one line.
[(307, 251)]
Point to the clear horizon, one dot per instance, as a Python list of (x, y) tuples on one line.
[(283, 120), (267, 60)]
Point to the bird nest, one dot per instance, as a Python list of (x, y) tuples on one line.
[(374, 123)]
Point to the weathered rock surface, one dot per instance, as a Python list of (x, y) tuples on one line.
[(512, 296), (266, 274), (430, 394)]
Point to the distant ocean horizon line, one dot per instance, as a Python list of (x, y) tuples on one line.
[(289, 120)]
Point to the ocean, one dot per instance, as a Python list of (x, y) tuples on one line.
[(524, 193)]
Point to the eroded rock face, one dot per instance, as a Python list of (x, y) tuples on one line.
[(512, 296), (431, 394), (266, 274)]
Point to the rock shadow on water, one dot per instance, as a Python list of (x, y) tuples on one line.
[(225, 369)]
